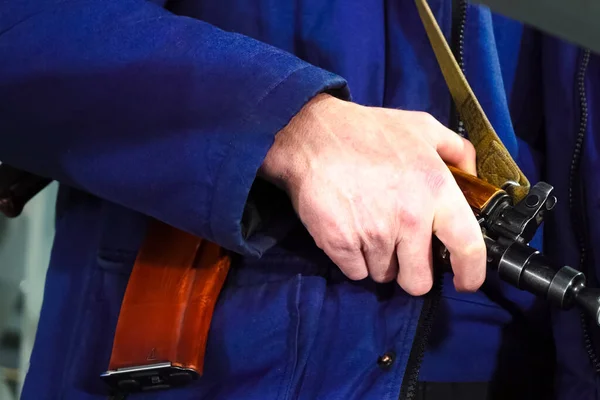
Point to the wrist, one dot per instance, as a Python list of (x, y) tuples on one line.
[(288, 159)]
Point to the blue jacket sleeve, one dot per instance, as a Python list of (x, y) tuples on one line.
[(163, 114)]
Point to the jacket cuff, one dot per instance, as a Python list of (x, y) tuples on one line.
[(260, 220)]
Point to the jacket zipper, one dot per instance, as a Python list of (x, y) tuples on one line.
[(409, 386), (577, 202), (410, 382), (459, 20)]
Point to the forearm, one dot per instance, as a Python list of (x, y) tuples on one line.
[(166, 115)]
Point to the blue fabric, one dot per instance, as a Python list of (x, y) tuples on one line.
[(132, 81), (563, 122), (463, 334), (141, 111)]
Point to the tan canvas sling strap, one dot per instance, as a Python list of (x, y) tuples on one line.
[(512, 225), (494, 162)]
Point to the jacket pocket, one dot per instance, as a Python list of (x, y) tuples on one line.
[(258, 345), (259, 342)]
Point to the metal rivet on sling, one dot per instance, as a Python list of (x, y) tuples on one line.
[(386, 359)]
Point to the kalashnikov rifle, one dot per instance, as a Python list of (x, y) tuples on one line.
[(176, 279)]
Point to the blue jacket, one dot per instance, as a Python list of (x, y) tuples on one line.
[(141, 110)]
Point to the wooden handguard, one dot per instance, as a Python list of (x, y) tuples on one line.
[(165, 316), (479, 193)]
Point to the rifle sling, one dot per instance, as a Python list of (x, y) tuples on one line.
[(494, 162)]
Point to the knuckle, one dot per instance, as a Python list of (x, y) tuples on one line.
[(376, 233), (474, 253), (338, 245), (426, 118), (474, 250), (409, 219), (429, 126), (386, 275)]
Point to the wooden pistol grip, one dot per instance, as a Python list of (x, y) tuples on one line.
[(478, 192), (169, 301)]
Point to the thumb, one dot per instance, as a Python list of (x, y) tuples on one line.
[(457, 151)]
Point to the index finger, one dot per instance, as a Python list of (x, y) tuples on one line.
[(456, 227), (452, 148)]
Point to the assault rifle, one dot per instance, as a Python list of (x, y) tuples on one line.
[(507, 228)]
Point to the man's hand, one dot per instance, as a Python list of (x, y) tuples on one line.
[(371, 187)]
